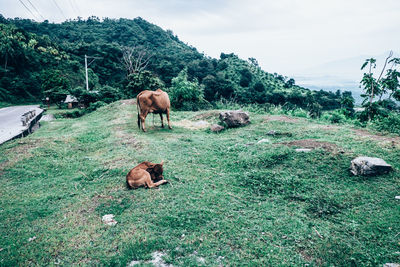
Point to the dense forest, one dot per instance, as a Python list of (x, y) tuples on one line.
[(127, 56)]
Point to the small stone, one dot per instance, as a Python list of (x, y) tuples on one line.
[(48, 117), (397, 197), (216, 128), (272, 132), (109, 219), (133, 263), (200, 124), (31, 239), (264, 140), (303, 150), (201, 260), (369, 166), (391, 265)]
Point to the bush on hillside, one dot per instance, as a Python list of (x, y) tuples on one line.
[(185, 94), (391, 123)]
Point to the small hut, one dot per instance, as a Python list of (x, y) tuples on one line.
[(71, 101)]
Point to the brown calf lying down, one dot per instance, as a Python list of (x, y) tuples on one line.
[(146, 174)]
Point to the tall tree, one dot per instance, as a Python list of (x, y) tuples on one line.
[(135, 59)]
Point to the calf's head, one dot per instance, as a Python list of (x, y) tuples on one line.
[(156, 171)]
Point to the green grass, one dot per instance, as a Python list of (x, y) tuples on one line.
[(230, 201)]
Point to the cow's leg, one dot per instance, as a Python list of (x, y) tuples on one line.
[(150, 183), (162, 121), (143, 120), (169, 124)]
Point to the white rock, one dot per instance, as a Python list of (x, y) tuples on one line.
[(158, 260), (234, 118), (109, 219), (397, 197), (133, 263), (391, 265), (264, 140), (200, 124), (369, 166), (31, 239), (303, 150)]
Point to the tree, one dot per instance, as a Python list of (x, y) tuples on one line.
[(390, 83), (289, 83), (347, 104), (373, 86), (55, 86), (135, 59), (185, 94), (144, 80)]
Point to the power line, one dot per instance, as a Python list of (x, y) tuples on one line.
[(77, 7), (72, 6), (28, 9), (54, 1), (37, 11)]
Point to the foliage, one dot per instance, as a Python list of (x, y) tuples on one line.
[(96, 105), (185, 94), (54, 85), (347, 104), (373, 87), (315, 110), (389, 123), (140, 81), (109, 94)]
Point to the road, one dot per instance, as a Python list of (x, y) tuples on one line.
[(10, 121)]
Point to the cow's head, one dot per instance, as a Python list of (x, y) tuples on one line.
[(156, 171)]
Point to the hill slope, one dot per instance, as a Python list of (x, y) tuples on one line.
[(56, 52), (230, 200)]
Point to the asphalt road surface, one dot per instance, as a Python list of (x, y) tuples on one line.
[(10, 121)]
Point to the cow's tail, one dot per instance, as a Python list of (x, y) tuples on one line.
[(138, 113)]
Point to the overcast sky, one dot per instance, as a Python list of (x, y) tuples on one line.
[(285, 36)]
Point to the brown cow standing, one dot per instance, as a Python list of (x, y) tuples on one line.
[(152, 102)]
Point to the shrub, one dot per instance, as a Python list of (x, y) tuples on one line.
[(391, 123), (109, 94), (315, 110), (96, 105), (85, 97), (299, 112), (186, 95), (335, 116)]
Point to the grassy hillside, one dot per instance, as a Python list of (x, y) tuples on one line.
[(230, 200)]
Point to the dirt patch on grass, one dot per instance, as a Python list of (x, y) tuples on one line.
[(325, 127), (313, 144), (126, 139), (392, 140), (21, 150), (207, 115), (131, 101), (283, 118), (192, 125)]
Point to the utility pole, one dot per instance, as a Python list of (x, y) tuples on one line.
[(87, 78), (86, 69)]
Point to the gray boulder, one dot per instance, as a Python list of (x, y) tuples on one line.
[(369, 166), (234, 118), (216, 128)]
